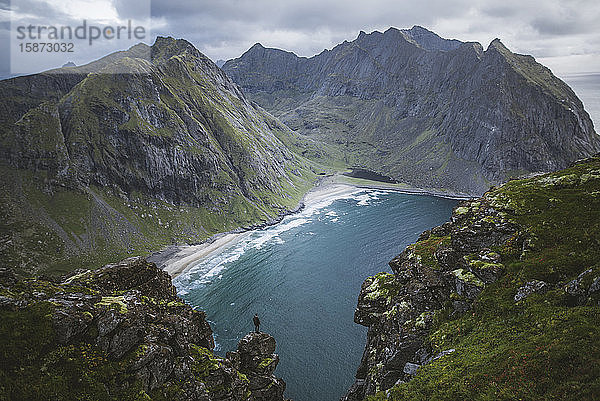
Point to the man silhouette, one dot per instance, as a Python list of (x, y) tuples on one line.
[(256, 321)]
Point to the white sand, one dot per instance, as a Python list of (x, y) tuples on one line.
[(192, 254), (177, 260), (326, 191)]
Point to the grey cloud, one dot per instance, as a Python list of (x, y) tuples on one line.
[(500, 10), (565, 24), (133, 9), (41, 10), (228, 24)]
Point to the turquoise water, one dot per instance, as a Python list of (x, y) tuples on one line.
[(303, 277), (587, 88)]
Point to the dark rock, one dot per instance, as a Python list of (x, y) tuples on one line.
[(443, 230), (488, 272), (127, 315), (411, 368), (460, 307), (580, 291), (399, 309), (574, 287), (7, 276), (69, 324), (391, 377), (129, 274), (467, 284), (255, 357), (124, 340), (438, 356), (595, 287)]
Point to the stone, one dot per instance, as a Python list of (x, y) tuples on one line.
[(529, 288), (131, 318), (411, 368), (467, 284), (595, 287), (574, 288), (69, 324)]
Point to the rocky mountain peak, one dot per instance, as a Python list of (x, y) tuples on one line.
[(173, 131), (167, 47), (497, 44), (429, 40), (417, 35), (256, 46), (406, 98)]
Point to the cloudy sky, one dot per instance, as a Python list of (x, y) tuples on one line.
[(562, 34)]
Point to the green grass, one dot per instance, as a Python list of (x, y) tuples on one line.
[(67, 229), (545, 347)]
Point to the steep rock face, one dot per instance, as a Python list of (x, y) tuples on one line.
[(255, 357), (429, 111), (175, 122), (470, 309), (171, 138), (121, 332), (399, 308)]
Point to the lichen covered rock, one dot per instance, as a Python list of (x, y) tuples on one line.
[(121, 333), (486, 305), (256, 360)]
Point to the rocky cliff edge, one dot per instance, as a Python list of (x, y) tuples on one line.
[(121, 333), (501, 302)]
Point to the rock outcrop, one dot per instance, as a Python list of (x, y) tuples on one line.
[(432, 112), (120, 332), (255, 357), (481, 293), (399, 308)]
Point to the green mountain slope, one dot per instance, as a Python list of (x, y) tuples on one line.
[(500, 303), (99, 164)]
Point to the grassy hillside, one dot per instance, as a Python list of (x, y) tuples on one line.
[(101, 165), (545, 345), (63, 229)]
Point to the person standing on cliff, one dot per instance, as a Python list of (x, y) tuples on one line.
[(256, 321)]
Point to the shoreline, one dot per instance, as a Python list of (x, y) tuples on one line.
[(177, 259), (401, 188)]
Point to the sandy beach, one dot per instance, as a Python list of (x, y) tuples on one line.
[(176, 259)]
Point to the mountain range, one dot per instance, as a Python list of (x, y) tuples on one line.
[(157, 145), (427, 111)]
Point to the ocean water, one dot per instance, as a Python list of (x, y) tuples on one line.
[(587, 88), (303, 277)]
